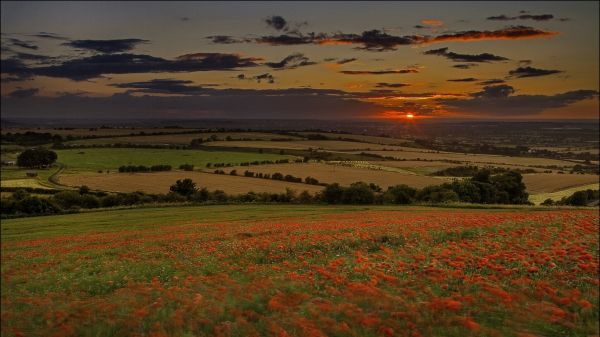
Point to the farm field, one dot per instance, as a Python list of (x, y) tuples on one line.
[(330, 145), (475, 158), (101, 158), (83, 132), (360, 138), (344, 175), (285, 270), (159, 182), (551, 182), (177, 139), (538, 198)]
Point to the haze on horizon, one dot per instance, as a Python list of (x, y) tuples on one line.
[(300, 60)]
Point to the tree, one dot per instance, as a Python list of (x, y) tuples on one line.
[(358, 193), (400, 194), (185, 187), (332, 194), (37, 157)]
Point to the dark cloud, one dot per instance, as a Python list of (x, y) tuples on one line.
[(24, 93), (525, 62), (51, 36), (99, 65), (510, 33), (495, 91), (542, 17), (380, 72), (420, 27), (468, 79), (293, 103), (16, 68), (106, 46), (465, 66), (184, 19), (391, 85), (373, 40), (521, 72), (289, 39), (163, 86), (290, 62), (492, 81), (344, 61), (485, 57), (258, 78), (224, 39), (499, 100), (378, 40), (277, 22), (23, 44)]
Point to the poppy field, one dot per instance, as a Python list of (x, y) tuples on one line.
[(302, 271)]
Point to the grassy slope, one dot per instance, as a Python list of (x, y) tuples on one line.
[(138, 218)]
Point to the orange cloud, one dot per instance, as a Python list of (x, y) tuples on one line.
[(432, 22), (510, 33)]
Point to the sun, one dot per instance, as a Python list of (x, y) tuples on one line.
[(410, 116)]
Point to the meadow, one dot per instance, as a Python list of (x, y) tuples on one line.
[(259, 270)]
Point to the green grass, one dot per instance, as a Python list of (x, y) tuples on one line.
[(102, 159)]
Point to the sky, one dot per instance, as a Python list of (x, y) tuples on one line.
[(300, 60)]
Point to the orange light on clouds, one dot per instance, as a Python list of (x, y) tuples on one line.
[(410, 116)]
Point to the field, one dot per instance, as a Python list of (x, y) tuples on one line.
[(159, 182), (550, 182), (540, 197), (100, 158), (330, 145), (178, 139), (302, 271), (475, 158), (344, 175), (85, 132)]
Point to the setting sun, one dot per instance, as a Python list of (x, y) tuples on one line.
[(410, 116)]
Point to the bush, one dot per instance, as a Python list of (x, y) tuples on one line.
[(400, 194), (89, 201), (185, 187), (67, 199), (186, 167), (35, 205)]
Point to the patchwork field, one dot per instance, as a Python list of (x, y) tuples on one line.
[(302, 271), (159, 182), (538, 198), (112, 158)]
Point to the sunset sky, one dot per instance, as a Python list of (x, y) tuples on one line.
[(301, 60)]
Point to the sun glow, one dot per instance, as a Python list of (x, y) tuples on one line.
[(410, 116)]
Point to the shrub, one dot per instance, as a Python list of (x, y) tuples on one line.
[(332, 194), (186, 167)]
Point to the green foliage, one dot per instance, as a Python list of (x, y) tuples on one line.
[(36, 158), (185, 187)]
